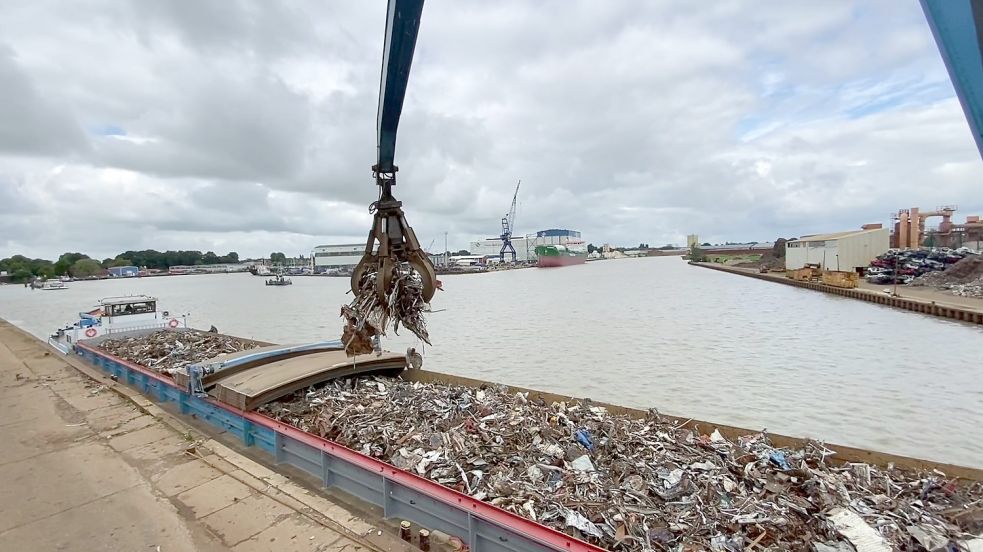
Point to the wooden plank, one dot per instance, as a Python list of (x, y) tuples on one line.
[(259, 385)]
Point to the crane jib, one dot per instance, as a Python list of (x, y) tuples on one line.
[(957, 26), (402, 26)]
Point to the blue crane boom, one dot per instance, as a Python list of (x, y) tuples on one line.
[(402, 27), (957, 26)]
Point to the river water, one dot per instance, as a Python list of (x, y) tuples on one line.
[(651, 332)]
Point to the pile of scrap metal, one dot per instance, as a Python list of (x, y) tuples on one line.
[(167, 351), (638, 483), (964, 278), (908, 264)]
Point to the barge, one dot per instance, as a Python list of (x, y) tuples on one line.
[(403, 493)]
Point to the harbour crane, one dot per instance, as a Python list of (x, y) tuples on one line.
[(507, 225)]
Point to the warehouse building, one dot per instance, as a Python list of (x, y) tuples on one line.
[(846, 251), (337, 256), (525, 248), (123, 271)]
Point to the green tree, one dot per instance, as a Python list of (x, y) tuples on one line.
[(278, 258), (120, 261), (83, 268), (43, 268), (697, 255), (66, 261), (231, 258), (107, 262)]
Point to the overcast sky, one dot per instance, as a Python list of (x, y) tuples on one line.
[(249, 125)]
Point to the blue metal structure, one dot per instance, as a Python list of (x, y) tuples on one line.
[(957, 26), (507, 224), (402, 26)]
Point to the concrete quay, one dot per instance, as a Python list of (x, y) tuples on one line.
[(925, 301), (89, 464)]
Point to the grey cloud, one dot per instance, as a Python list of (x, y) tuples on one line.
[(254, 121), (33, 119)]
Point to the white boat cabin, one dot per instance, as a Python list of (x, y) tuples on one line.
[(117, 315)]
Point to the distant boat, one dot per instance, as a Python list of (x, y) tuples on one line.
[(260, 270), (279, 280), (52, 285), (559, 255)]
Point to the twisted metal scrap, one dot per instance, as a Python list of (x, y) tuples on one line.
[(634, 484), (367, 317), (167, 351)]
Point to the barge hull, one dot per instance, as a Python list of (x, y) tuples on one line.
[(399, 493)]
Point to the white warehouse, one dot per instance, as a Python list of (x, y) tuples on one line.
[(846, 251), (337, 256)]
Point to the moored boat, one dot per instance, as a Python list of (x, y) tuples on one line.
[(116, 315), (412, 479)]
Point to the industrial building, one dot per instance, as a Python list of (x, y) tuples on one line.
[(337, 256), (123, 271), (846, 251), (911, 232), (525, 246)]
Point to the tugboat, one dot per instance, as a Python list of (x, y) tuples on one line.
[(115, 315), (278, 279)]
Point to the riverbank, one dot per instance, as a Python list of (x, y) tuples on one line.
[(91, 462), (922, 300)]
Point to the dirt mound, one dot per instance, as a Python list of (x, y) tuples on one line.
[(963, 272), (773, 259)]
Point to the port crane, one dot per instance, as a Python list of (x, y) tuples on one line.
[(507, 224), (956, 26)]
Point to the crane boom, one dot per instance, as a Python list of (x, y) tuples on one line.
[(957, 26), (402, 27)]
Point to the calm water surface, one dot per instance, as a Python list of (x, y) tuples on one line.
[(642, 332)]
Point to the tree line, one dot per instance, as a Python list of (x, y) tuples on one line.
[(79, 265)]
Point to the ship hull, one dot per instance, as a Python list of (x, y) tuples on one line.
[(561, 260)]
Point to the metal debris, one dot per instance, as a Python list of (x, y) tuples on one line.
[(367, 316), (167, 351), (640, 484)]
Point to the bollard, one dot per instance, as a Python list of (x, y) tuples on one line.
[(404, 531), (424, 540)]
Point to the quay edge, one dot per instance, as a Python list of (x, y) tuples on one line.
[(922, 306)]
